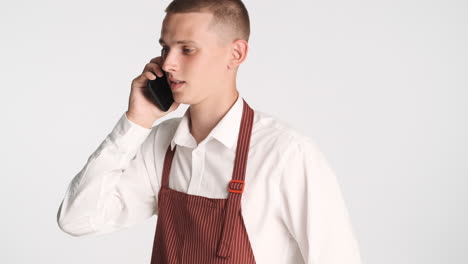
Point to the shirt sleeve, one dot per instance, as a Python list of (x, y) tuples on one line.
[(113, 190), (313, 208)]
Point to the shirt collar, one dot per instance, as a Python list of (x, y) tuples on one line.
[(226, 131)]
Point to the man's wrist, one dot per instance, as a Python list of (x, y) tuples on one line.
[(143, 122)]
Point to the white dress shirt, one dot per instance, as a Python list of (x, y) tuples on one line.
[(292, 205)]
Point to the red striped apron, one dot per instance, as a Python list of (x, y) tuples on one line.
[(195, 229)]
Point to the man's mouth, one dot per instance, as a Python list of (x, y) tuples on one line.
[(176, 85), (174, 82)]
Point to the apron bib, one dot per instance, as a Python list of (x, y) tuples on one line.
[(195, 229)]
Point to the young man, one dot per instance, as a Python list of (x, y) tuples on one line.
[(228, 184)]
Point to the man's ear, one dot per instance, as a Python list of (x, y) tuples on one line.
[(239, 49)]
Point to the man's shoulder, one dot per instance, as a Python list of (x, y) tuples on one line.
[(272, 130)]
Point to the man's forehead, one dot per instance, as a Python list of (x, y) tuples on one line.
[(182, 28)]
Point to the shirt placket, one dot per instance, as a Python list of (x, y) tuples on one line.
[(198, 164)]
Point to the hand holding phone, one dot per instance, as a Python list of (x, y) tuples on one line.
[(143, 107), (160, 92)]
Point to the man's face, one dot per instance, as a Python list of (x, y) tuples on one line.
[(202, 64)]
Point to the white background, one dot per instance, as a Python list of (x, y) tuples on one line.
[(381, 86)]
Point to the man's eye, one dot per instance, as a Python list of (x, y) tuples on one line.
[(164, 50)]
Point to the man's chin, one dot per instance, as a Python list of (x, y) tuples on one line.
[(179, 98)]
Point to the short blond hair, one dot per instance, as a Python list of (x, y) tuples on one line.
[(230, 17)]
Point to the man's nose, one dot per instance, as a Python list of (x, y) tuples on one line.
[(169, 62)]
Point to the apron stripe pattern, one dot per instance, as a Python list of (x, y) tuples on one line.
[(237, 182), (196, 229)]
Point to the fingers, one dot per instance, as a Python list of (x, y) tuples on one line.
[(150, 75), (140, 80), (156, 60), (154, 68), (151, 71)]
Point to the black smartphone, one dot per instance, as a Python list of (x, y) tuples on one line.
[(160, 92)]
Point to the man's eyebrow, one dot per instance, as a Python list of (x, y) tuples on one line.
[(179, 41)]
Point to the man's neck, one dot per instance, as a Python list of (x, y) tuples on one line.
[(206, 115)]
